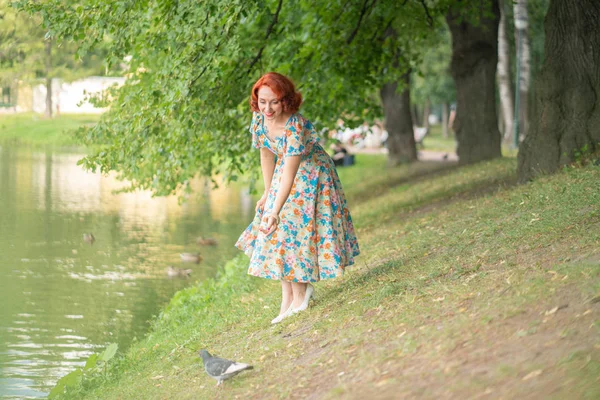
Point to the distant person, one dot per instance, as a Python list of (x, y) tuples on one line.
[(303, 200), (341, 157), (452, 117)]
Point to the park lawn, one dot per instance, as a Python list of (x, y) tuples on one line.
[(468, 285), (36, 130), (435, 141)]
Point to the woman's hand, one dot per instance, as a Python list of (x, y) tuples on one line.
[(271, 222), (261, 202)]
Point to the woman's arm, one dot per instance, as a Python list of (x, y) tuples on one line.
[(267, 164), (290, 168)]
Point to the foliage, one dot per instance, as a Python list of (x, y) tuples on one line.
[(21, 45), (23, 56), (184, 108), (95, 367), (433, 80)]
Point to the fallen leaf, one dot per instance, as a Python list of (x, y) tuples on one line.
[(382, 382), (552, 311), (532, 374), (440, 298)]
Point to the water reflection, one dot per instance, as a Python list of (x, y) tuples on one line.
[(63, 298)]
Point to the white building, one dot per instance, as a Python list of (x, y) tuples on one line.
[(69, 97)]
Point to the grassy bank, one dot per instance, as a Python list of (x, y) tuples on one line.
[(468, 286), (35, 130)]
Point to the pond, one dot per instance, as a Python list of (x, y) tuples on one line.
[(63, 297)]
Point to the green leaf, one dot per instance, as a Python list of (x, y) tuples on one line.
[(110, 352), (91, 362)]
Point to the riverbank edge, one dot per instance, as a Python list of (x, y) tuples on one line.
[(208, 314)]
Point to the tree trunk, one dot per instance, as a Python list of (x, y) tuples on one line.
[(48, 78), (567, 122), (414, 114), (398, 122), (445, 120), (504, 79), (520, 11), (474, 62), (426, 112)]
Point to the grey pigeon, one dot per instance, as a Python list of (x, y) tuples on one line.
[(220, 368)]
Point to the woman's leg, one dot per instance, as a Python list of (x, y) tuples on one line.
[(299, 290), (286, 296)]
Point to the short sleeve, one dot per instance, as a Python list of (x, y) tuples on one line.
[(295, 137), (254, 125)]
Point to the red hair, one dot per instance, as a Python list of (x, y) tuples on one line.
[(283, 88)]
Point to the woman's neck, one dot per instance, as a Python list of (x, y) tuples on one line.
[(282, 119)]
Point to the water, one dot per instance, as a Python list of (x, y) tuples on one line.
[(63, 299)]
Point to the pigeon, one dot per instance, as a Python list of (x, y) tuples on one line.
[(220, 368)]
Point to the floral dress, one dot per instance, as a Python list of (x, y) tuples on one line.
[(315, 239)]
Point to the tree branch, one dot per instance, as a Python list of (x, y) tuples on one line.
[(362, 14), (381, 35), (208, 61), (269, 31), (203, 38), (429, 18)]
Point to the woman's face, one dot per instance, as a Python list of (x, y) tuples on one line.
[(268, 103)]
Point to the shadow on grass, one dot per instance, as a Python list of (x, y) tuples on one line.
[(427, 170)]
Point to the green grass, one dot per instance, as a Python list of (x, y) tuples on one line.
[(35, 130), (435, 141), (467, 284)]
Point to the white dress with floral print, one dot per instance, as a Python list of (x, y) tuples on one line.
[(315, 239)]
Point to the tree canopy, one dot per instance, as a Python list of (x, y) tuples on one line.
[(22, 39), (184, 107)]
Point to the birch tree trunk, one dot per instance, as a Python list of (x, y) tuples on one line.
[(48, 62), (520, 11), (567, 118), (503, 77)]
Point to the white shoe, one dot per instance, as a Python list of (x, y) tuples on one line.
[(309, 292), (286, 314)]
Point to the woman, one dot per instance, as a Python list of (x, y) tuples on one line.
[(302, 231)]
